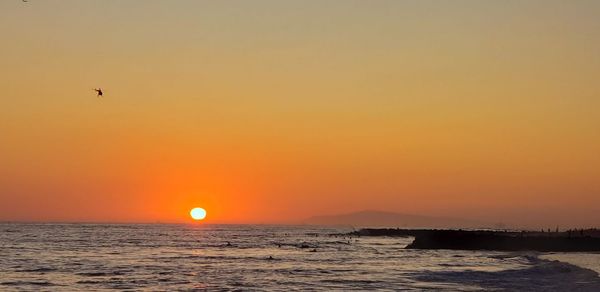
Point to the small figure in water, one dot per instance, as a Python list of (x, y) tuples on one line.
[(98, 92), (270, 258), (228, 244)]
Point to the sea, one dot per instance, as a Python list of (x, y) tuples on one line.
[(197, 257)]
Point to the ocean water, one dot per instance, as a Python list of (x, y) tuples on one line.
[(170, 257)]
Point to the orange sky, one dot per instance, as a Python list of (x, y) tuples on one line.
[(273, 111)]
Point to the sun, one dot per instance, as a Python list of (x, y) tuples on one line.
[(198, 213)]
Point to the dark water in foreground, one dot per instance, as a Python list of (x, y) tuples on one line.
[(90, 257)]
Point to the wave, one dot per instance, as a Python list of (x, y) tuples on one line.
[(541, 275), (101, 274), (38, 270), (28, 283)]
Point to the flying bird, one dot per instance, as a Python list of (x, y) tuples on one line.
[(98, 92)]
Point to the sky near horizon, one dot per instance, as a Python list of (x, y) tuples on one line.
[(274, 111)]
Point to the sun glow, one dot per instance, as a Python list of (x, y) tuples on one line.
[(198, 213)]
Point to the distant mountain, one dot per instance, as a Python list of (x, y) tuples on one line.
[(390, 219)]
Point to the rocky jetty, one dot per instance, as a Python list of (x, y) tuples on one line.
[(568, 241)]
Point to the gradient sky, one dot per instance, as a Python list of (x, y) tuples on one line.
[(273, 111)]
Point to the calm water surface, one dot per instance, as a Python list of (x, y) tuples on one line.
[(92, 257)]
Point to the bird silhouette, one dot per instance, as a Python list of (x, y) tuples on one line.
[(98, 92)]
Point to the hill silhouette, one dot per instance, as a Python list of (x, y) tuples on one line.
[(371, 218)]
